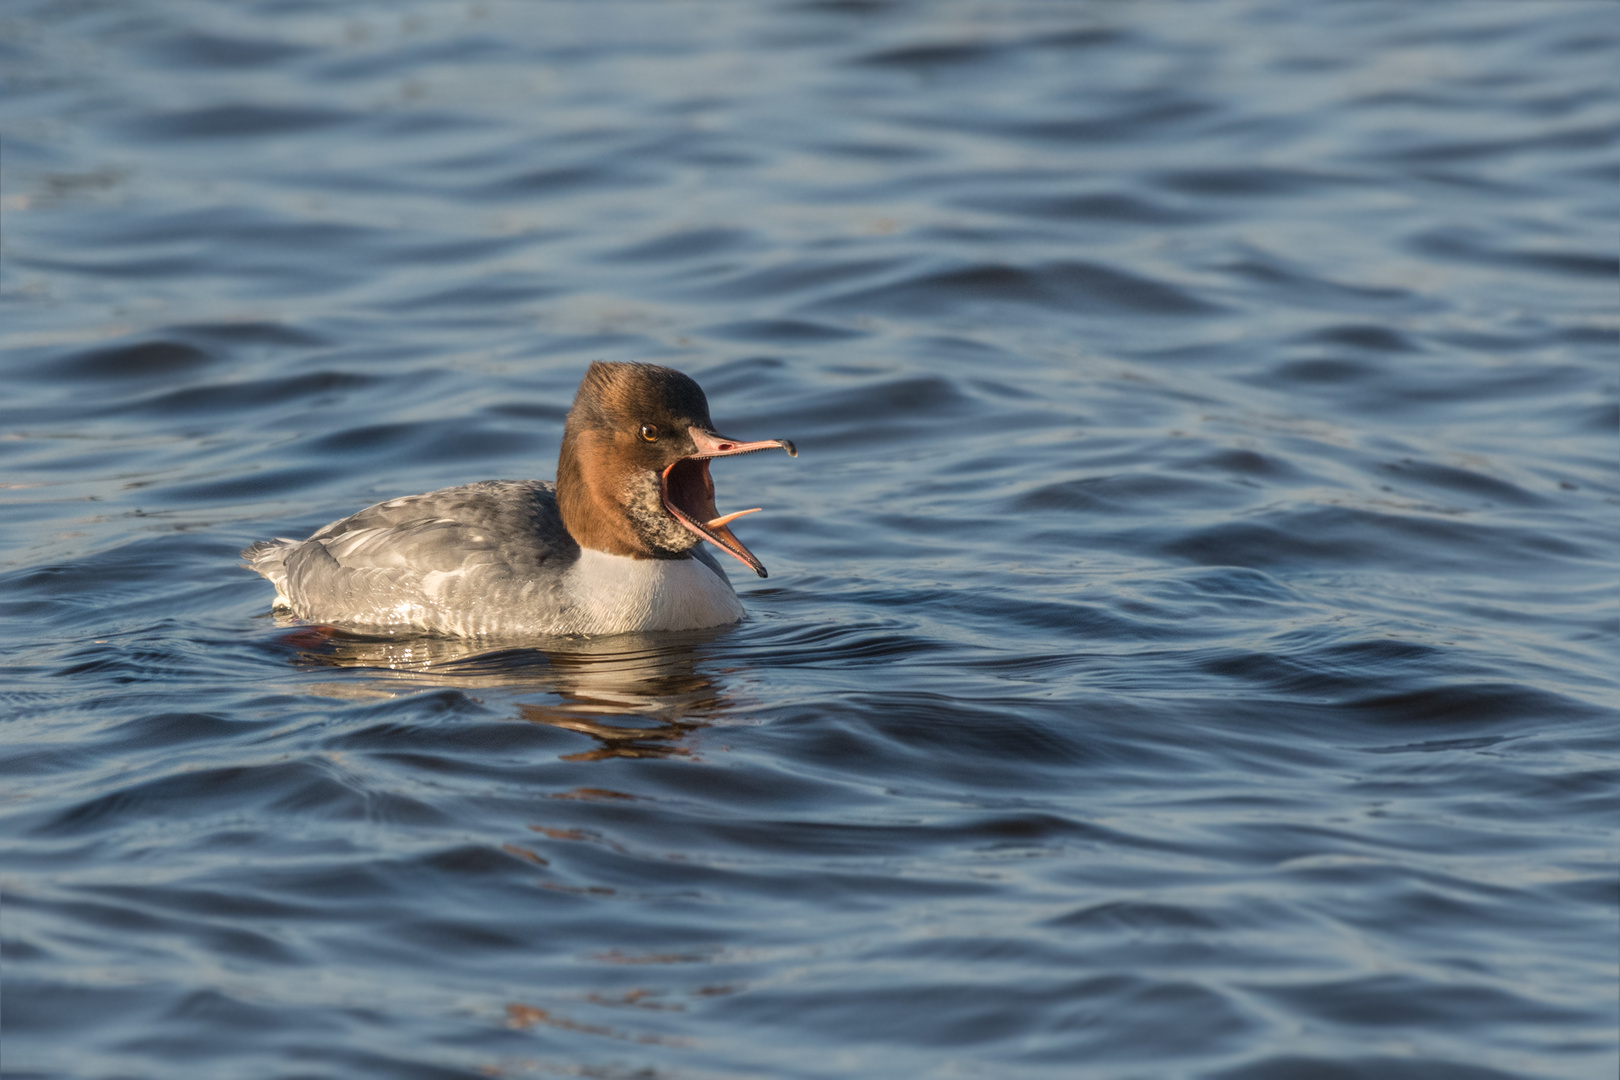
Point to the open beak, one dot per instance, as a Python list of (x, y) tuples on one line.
[(688, 491)]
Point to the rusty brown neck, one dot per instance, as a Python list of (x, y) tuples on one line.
[(613, 510)]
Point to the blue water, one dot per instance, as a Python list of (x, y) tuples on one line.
[(1189, 649)]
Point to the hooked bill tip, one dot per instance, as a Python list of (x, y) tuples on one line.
[(793, 451)]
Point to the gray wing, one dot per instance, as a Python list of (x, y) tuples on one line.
[(438, 561)]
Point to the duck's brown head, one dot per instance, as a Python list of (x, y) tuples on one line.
[(633, 477)]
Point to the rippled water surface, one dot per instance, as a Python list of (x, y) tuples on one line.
[(1189, 645)]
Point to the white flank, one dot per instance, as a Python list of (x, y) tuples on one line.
[(612, 594)]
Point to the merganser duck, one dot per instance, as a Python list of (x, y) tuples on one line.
[(612, 547)]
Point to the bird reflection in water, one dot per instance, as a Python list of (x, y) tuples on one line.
[(637, 695)]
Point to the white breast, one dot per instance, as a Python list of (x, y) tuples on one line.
[(612, 594)]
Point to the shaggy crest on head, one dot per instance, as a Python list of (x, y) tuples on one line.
[(612, 546), (638, 441)]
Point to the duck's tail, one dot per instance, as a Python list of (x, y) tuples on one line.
[(269, 558)]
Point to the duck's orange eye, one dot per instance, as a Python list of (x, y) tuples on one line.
[(649, 432)]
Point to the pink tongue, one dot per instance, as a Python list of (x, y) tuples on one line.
[(729, 518)]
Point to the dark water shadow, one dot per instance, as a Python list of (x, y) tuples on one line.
[(636, 695)]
